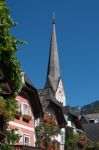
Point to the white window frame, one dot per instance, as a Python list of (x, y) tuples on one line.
[(26, 136), (28, 109), (62, 136), (37, 122)]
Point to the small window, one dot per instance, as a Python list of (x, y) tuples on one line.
[(91, 121), (26, 139), (37, 122), (62, 137), (96, 120), (25, 110)]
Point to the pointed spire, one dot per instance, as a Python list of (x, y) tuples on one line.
[(53, 74), (53, 21)]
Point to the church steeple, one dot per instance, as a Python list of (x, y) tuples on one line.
[(53, 74), (53, 80)]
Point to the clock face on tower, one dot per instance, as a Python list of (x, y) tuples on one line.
[(60, 95)]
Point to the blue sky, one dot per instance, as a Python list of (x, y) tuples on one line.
[(77, 26)]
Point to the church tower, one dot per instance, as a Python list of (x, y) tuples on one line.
[(53, 79)]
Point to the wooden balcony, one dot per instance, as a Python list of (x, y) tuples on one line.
[(24, 147)]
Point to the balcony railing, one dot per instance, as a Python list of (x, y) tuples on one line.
[(24, 147)]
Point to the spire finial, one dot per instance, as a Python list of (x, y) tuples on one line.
[(53, 22)]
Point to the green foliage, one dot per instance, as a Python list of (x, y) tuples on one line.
[(45, 131), (13, 72), (92, 145), (8, 108), (8, 47), (8, 42), (75, 141), (11, 139), (71, 139), (97, 146), (71, 143), (2, 105)]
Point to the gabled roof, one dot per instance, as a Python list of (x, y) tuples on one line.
[(92, 116), (46, 95), (69, 112), (33, 97), (84, 119), (28, 81), (47, 99)]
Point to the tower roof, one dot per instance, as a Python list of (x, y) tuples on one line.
[(53, 73)]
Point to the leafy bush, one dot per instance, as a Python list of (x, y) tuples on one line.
[(44, 132), (8, 48), (11, 139), (8, 108)]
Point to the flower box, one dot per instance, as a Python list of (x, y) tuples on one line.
[(18, 114), (27, 117)]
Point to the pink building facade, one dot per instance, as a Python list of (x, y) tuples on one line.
[(29, 110), (24, 123)]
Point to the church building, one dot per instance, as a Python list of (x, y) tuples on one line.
[(52, 96), (53, 80)]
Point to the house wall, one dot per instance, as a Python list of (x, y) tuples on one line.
[(23, 127), (60, 137)]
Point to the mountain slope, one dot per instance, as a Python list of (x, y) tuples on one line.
[(87, 109)]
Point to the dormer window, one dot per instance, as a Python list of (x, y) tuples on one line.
[(91, 121)]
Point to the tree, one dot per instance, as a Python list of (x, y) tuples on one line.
[(44, 133), (75, 141), (71, 139), (8, 48), (11, 139), (8, 108)]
